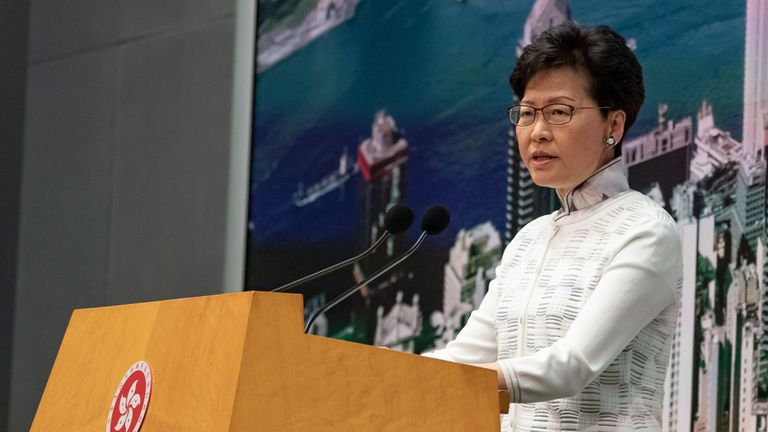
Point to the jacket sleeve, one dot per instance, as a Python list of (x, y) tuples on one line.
[(636, 286)]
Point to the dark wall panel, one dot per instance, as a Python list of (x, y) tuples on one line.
[(65, 212), (171, 165), (125, 171), (13, 56)]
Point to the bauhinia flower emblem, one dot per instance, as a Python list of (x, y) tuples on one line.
[(126, 407), (129, 405)]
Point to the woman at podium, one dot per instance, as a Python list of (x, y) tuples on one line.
[(579, 320)]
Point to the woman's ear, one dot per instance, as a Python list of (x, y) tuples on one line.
[(616, 120)]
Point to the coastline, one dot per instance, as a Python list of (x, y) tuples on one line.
[(279, 43)]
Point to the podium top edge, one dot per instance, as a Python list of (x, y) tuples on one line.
[(183, 299)]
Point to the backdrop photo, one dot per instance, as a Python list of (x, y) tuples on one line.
[(362, 104)]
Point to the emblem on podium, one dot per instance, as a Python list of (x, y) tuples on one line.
[(129, 405)]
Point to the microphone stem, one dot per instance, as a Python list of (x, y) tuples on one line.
[(364, 282), (322, 272)]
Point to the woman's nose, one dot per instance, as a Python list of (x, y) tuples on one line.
[(540, 128)]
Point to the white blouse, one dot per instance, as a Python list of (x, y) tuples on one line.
[(582, 311)]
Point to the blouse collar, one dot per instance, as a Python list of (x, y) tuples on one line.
[(608, 181)]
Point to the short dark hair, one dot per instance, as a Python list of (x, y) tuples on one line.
[(615, 77)]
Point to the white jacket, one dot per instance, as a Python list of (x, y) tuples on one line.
[(581, 314)]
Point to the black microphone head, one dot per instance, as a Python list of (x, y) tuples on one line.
[(435, 219), (398, 219)]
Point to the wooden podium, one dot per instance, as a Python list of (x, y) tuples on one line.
[(241, 362)]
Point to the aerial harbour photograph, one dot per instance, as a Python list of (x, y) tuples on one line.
[(363, 104)]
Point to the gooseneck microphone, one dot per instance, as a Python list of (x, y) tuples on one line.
[(397, 220), (433, 221)]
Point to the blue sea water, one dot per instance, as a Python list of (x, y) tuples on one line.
[(440, 68)]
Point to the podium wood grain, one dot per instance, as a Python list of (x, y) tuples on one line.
[(241, 362)]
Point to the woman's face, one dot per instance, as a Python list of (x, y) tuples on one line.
[(563, 156)]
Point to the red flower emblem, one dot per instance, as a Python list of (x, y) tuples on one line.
[(131, 399)]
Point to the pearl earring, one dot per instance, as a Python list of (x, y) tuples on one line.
[(610, 142)]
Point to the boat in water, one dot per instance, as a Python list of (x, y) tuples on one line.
[(327, 184), (386, 148)]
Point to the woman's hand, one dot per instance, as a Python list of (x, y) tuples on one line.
[(500, 381)]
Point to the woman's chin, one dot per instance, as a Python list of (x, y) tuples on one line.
[(543, 181)]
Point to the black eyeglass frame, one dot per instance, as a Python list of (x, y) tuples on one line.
[(535, 110)]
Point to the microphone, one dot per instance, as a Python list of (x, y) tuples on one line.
[(434, 220), (397, 220)]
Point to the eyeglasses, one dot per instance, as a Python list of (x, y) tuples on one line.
[(554, 114)]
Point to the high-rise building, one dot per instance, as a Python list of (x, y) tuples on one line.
[(714, 148), (471, 266), (755, 136), (714, 168), (743, 297), (716, 377), (750, 192), (679, 391), (755, 139), (762, 312), (544, 14), (399, 327), (665, 149), (748, 419), (382, 159), (525, 200), (748, 222), (729, 361), (667, 137), (730, 380)]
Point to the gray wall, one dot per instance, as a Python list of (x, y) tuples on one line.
[(126, 166), (13, 56)]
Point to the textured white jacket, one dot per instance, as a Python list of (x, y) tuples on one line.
[(581, 314)]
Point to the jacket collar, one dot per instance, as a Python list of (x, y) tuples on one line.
[(608, 181)]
